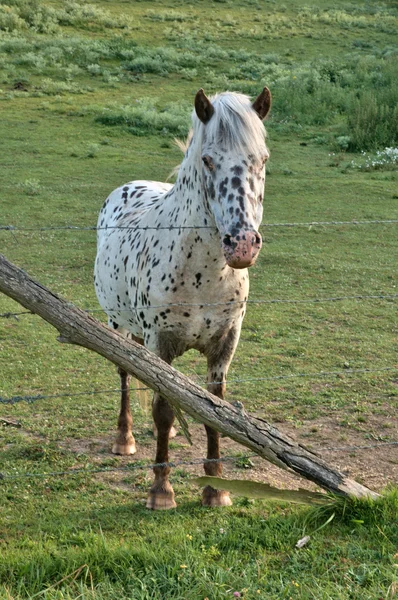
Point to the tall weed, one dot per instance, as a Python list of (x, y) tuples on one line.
[(373, 120)]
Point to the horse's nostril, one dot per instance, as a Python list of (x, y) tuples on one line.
[(227, 240), (258, 239)]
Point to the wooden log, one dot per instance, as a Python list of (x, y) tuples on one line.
[(77, 327)]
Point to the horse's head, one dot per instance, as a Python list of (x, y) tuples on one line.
[(233, 169)]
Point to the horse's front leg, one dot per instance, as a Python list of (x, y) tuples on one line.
[(124, 443), (217, 369), (161, 494), (210, 495)]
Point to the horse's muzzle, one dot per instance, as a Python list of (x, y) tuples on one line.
[(241, 250)]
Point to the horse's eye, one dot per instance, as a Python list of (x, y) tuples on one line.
[(207, 161)]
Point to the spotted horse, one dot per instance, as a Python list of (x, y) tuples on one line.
[(171, 268)]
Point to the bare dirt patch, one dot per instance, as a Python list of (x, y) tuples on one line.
[(354, 449)]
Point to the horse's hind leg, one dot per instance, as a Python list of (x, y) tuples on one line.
[(124, 443), (217, 367)]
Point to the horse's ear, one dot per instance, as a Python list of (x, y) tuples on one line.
[(203, 107), (262, 103)]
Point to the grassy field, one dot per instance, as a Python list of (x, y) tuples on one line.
[(91, 96)]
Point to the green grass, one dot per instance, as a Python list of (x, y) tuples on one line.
[(91, 96), (111, 547)]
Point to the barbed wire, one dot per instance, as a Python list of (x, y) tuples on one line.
[(333, 223), (14, 228), (9, 315), (363, 447), (253, 302), (318, 374), (131, 467), (180, 463), (30, 399)]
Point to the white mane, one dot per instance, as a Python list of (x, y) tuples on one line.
[(234, 125)]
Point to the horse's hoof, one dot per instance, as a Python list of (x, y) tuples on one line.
[(161, 500), (212, 497), (124, 448)]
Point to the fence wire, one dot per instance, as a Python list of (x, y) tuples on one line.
[(252, 302), (15, 315), (194, 462), (30, 399), (14, 228)]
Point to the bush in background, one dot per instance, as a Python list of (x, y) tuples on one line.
[(145, 118)]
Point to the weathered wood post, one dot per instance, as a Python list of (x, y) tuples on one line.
[(76, 327)]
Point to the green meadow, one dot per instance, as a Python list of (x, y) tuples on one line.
[(92, 95)]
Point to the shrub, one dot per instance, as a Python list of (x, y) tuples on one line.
[(10, 20), (92, 150), (24, 14), (50, 87), (15, 44), (169, 15), (30, 187), (31, 59), (85, 15), (372, 123), (343, 142), (146, 119), (161, 61), (148, 64), (373, 120)]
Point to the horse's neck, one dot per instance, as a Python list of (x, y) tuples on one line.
[(187, 199), (185, 206)]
